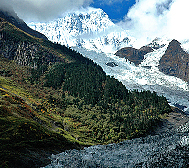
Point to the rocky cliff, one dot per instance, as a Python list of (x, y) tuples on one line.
[(134, 55), (23, 51), (175, 61)]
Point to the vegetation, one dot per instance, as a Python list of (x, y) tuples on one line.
[(56, 99), (102, 105), (20, 133)]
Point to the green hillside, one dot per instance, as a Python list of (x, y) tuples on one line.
[(53, 99)]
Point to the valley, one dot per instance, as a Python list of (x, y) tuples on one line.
[(73, 95)]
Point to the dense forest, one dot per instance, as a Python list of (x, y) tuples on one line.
[(67, 96), (102, 104)]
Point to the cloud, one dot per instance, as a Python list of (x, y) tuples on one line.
[(177, 20), (149, 19), (42, 10), (110, 2), (107, 2)]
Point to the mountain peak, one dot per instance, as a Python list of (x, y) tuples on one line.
[(89, 10), (91, 29), (175, 44)]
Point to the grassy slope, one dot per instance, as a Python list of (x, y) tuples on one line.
[(24, 129)]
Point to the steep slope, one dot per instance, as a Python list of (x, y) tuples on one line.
[(91, 29), (28, 137), (12, 18), (134, 55), (25, 142), (175, 61)]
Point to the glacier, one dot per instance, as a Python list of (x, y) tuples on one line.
[(93, 34)]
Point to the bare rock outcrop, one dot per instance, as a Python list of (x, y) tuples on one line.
[(134, 55), (175, 61)]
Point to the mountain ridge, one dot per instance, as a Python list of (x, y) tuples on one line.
[(15, 20)]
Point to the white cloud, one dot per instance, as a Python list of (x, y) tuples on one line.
[(149, 19), (110, 2), (43, 10), (177, 20)]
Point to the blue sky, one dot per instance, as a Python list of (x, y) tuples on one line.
[(115, 9), (45, 10)]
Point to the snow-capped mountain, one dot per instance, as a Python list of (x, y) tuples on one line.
[(91, 29), (95, 36)]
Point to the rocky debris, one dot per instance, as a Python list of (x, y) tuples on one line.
[(134, 55), (174, 122), (175, 61), (111, 64), (163, 149)]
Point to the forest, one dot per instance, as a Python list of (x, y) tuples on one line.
[(101, 103)]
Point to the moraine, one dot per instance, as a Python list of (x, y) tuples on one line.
[(167, 148)]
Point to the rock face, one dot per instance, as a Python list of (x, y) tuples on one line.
[(134, 55), (175, 61), (24, 51), (111, 64), (12, 18)]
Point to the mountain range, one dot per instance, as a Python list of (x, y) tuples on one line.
[(161, 65)]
